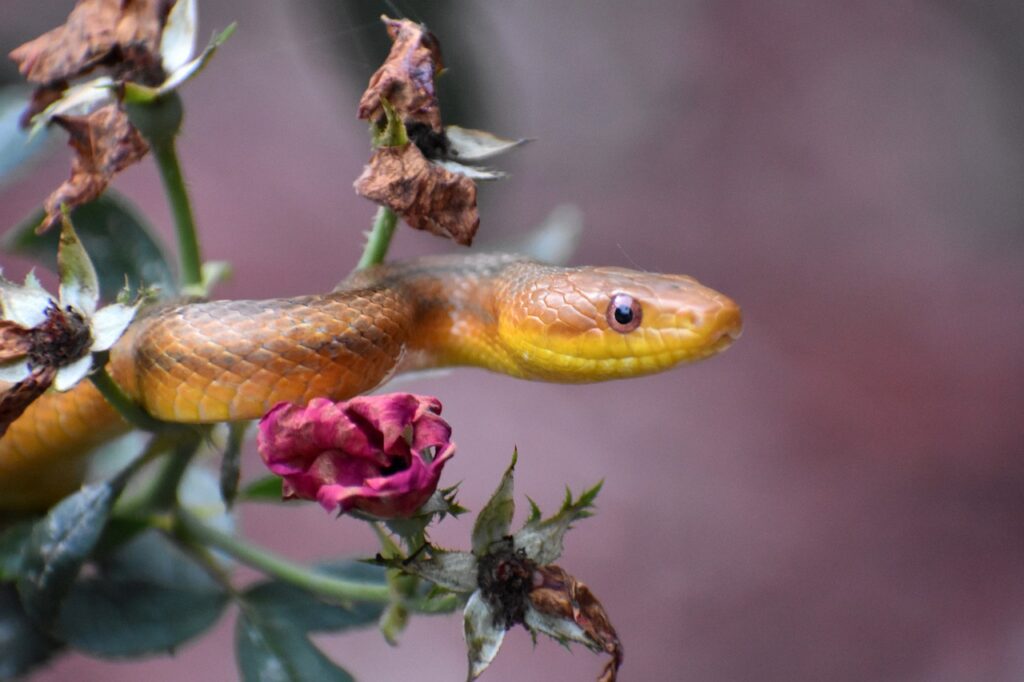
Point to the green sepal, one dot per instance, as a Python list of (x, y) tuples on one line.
[(542, 538), (159, 118), (495, 519), (393, 133)]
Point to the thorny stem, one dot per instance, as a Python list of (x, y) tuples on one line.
[(279, 567), (181, 207), (379, 239)]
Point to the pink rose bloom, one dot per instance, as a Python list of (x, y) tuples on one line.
[(379, 454)]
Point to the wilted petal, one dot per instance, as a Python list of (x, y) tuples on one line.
[(120, 35), (79, 286), (78, 100), (178, 40), (483, 635), (427, 196), (15, 399), (71, 374), (406, 78), (471, 172), (15, 341), (471, 145), (109, 323), (105, 143), (356, 454), (565, 608)]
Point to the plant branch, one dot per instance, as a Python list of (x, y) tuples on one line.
[(164, 493), (278, 567), (122, 402), (181, 207), (379, 239)]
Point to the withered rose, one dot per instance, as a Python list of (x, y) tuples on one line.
[(381, 455)]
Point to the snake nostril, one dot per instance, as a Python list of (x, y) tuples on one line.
[(730, 321)]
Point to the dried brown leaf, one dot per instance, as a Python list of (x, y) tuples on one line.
[(427, 196), (16, 398), (105, 143), (558, 594), (123, 35), (406, 78)]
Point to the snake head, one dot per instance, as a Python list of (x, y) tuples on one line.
[(593, 324)]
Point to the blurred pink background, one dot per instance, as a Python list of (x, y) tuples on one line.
[(841, 495)]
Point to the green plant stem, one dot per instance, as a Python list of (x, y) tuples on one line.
[(127, 407), (379, 239), (278, 567), (164, 493), (181, 207)]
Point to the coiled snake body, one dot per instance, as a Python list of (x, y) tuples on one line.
[(233, 360)]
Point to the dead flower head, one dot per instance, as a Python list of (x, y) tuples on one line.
[(418, 166), (511, 580), (46, 341), (144, 46)]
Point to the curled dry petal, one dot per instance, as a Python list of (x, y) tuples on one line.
[(566, 609), (426, 195), (124, 36), (15, 341), (381, 455), (406, 78), (105, 143), (17, 397)]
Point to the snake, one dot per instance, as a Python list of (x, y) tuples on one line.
[(231, 360)]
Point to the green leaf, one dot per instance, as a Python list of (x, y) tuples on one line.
[(59, 545), (12, 549), (230, 463), (118, 240), (266, 489), (268, 652), (495, 519), (288, 605), (22, 645), (147, 597)]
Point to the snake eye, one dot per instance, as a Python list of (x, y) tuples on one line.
[(623, 313)]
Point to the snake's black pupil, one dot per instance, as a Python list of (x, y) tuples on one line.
[(623, 314)]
